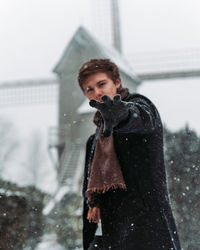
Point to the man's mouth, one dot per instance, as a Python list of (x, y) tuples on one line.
[(99, 100)]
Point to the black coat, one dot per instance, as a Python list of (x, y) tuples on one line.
[(141, 217)]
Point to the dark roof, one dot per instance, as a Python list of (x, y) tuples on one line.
[(81, 40)]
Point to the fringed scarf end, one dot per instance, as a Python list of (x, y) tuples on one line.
[(114, 186), (94, 214), (106, 188)]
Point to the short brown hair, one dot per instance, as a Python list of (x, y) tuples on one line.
[(95, 66)]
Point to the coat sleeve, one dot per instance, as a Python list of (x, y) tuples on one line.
[(89, 228), (142, 118)]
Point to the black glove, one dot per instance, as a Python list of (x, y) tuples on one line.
[(113, 111)]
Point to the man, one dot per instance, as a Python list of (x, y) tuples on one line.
[(124, 182)]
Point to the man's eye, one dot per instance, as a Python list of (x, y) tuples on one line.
[(88, 90), (101, 84)]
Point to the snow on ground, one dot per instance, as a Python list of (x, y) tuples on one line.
[(59, 194), (49, 243)]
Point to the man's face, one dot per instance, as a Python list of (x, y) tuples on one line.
[(99, 84)]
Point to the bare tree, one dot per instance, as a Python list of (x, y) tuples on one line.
[(35, 158), (8, 142)]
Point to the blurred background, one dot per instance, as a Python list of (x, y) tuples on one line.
[(45, 119)]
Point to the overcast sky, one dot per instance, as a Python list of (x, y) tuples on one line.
[(34, 34)]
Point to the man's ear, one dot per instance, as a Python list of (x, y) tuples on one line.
[(118, 83)]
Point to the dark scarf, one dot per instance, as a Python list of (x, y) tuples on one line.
[(104, 170)]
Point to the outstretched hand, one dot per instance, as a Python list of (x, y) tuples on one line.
[(113, 111)]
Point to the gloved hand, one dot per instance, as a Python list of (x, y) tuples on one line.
[(113, 111)]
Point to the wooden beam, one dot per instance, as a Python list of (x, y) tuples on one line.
[(168, 75), (28, 83)]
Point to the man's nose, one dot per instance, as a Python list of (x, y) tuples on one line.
[(98, 93)]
